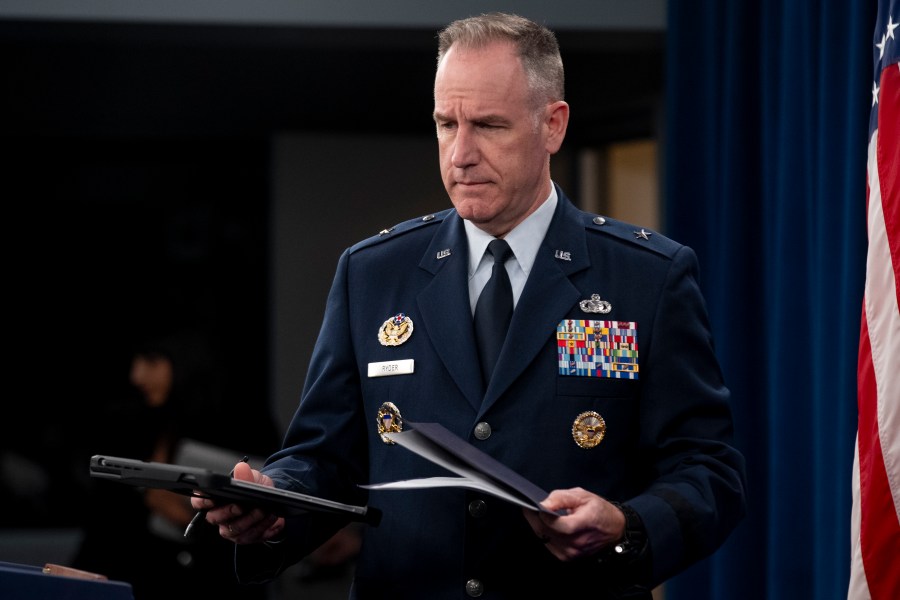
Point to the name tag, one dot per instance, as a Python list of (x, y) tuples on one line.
[(391, 367)]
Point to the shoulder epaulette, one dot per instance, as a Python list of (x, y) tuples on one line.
[(402, 228), (634, 234)]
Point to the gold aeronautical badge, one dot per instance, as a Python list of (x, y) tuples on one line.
[(395, 330), (588, 429), (389, 421)]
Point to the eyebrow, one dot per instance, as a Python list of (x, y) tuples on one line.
[(488, 118)]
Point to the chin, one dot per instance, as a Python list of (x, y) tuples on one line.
[(474, 209), (474, 215)]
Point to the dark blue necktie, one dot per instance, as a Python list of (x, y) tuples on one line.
[(494, 309)]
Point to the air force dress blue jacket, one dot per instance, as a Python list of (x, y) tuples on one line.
[(609, 341)]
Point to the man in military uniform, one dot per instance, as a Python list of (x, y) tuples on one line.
[(605, 390)]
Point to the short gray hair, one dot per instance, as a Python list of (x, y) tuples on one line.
[(536, 46)]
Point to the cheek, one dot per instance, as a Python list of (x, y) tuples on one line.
[(443, 156), (520, 167)]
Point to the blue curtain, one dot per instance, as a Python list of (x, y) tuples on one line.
[(764, 176)]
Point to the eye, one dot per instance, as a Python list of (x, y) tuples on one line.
[(445, 125), (490, 125)]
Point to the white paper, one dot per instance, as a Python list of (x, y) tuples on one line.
[(460, 482), (469, 476)]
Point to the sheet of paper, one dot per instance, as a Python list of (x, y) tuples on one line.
[(476, 469), (461, 482)]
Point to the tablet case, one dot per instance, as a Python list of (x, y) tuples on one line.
[(195, 481)]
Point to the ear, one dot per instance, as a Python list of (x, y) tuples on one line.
[(556, 121)]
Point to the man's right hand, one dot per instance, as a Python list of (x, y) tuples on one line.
[(236, 523)]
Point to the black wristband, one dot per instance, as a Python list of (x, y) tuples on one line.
[(633, 543)]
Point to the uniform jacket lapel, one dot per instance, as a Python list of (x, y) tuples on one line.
[(547, 298), (445, 309)]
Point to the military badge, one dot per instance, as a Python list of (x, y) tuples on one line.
[(595, 305), (389, 421), (589, 429), (395, 330), (587, 348)]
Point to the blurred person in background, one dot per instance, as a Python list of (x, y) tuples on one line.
[(175, 411)]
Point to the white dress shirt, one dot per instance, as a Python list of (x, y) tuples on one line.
[(524, 240)]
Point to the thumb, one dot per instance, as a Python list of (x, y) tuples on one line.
[(244, 472)]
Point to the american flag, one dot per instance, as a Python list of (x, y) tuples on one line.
[(875, 519)]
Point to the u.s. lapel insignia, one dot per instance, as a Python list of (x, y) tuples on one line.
[(389, 421), (595, 305), (589, 429), (395, 330)]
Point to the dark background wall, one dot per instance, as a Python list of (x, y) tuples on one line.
[(147, 167)]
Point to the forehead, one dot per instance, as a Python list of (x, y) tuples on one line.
[(489, 76)]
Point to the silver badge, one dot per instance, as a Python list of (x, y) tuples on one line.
[(595, 305)]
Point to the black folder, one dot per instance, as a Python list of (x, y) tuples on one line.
[(476, 469), (194, 481)]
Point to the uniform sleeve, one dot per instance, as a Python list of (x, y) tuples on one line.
[(698, 495), (324, 452)]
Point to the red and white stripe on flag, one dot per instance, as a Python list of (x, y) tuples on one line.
[(875, 520)]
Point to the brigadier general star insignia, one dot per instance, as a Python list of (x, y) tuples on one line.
[(642, 234)]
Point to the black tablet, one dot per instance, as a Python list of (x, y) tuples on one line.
[(194, 481)]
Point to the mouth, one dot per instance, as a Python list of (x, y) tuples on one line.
[(471, 184)]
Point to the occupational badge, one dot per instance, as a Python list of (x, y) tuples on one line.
[(595, 305), (588, 429), (395, 330), (389, 421)]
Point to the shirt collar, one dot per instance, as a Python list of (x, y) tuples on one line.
[(524, 239)]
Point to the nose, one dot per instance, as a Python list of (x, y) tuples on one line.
[(465, 148)]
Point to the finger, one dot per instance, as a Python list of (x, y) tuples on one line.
[(219, 514), (199, 503), (236, 522), (244, 472), (275, 530), (248, 530)]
